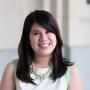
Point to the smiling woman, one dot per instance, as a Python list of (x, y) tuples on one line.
[(41, 64), (42, 41)]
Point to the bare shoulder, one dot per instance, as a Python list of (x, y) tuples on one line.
[(8, 70), (7, 81), (74, 71), (75, 79)]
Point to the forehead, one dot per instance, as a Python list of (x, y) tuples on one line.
[(36, 26)]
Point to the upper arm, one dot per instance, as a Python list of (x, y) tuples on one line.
[(75, 81), (7, 82)]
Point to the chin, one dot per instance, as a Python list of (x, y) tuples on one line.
[(44, 54)]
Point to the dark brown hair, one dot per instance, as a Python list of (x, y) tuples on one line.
[(26, 53)]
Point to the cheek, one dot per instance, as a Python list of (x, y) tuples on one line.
[(52, 37), (32, 41)]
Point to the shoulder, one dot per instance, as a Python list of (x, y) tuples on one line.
[(8, 69), (74, 70), (75, 80), (74, 73), (7, 78)]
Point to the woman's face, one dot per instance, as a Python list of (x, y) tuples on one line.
[(42, 41)]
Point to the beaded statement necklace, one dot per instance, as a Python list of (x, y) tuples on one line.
[(40, 75)]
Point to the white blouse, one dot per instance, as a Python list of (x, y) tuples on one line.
[(46, 84)]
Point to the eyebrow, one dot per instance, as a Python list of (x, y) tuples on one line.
[(33, 30)]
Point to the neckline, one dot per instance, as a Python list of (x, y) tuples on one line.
[(41, 73), (39, 68)]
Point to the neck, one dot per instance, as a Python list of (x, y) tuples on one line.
[(41, 61)]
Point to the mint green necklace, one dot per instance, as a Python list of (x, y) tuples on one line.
[(39, 75)]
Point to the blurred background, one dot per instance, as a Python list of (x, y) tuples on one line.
[(73, 17)]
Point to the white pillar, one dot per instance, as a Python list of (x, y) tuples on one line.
[(59, 14), (25, 8), (47, 5)]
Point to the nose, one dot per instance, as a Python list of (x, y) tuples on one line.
[(43, 37)]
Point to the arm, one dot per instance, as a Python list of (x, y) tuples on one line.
[(75, 81), (7, 82)]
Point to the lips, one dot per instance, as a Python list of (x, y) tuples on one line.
[(44, 45)]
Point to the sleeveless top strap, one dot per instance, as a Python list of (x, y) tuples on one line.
[(14, 62), (67, 75)]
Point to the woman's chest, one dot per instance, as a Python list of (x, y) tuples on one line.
[(47, 84)]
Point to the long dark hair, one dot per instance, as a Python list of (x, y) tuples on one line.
[(26, 53)]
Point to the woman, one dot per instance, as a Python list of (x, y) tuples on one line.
[(41, 64)]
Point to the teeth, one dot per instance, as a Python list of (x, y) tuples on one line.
[(44, 45)]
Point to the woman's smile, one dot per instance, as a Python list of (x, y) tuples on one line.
[(44, 45)]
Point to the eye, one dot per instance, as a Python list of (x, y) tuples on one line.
[(47, 32), (36, 33)]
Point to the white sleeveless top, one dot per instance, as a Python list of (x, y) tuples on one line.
[(46, 84)]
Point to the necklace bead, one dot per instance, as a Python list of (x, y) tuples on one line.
[(40, 74)]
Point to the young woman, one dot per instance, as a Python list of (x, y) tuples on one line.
[(41, 64)]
